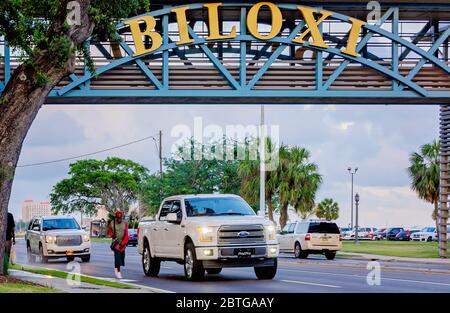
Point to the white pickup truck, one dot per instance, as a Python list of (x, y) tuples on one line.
[(208, 233)]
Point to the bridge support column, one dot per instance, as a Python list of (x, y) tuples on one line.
[(444, 180)]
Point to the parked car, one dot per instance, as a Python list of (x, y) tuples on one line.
[(380, 234), (426, 234), (132, 237), (391, 233), (405, 235), (311, 237), (208, 233), (54, 237), (363, 233)]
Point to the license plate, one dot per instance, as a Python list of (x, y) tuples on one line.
[(324, 238), (242, 253)]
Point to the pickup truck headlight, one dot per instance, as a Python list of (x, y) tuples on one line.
[(205, 233), (271, 232), (86, 237), (50, 239)]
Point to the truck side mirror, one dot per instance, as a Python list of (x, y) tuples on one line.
[(172, 218)]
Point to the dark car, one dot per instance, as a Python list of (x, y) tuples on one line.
[(132, 237), (391, 233), (405, 235)]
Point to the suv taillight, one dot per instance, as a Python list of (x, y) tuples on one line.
[(308, 237), (340, 237), (138, 231)]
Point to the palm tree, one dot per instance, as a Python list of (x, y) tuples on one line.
[(424, 174), (327, 209), (249, 172), (298, 182)]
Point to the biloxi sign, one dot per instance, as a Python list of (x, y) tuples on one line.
[(312, 18)]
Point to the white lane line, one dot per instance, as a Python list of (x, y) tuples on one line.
[(308, 283), (361, 276)]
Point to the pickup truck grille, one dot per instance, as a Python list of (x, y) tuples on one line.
[(64, 241), (241, 234)]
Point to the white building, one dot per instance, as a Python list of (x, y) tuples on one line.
[(31, 209)]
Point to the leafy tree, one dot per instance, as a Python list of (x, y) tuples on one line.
[(327, 209), (185, 175), (299, 181), (249, 172), (48, 44), (113, 183), (424, 173)]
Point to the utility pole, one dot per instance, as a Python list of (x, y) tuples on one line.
[(356, 226), (160, 156), (351, 197), (262, 166)]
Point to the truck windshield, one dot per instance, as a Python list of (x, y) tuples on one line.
[(217, 206), (60, 223)]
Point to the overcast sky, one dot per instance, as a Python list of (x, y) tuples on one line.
[(377, 139)]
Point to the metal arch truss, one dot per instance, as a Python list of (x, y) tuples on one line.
[(400, 83)]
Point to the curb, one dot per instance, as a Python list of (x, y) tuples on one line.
[(387, 258), (137, 286)]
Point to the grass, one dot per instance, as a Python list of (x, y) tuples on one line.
[(25, 288), (394, 248), (61, 274), (96, 239)]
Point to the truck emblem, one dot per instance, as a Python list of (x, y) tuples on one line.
[(243, 233)]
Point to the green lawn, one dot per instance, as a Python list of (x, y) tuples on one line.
[(25, 288), (84, 279), (96, 239), (394, 248)]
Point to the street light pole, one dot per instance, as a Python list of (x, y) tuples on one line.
[(262, 166), (351, 197), (356, 226)]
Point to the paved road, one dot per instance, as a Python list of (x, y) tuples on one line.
[(313, 275)]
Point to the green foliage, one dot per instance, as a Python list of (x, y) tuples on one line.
[(327, 209), (40, 79), (185, 175), (113, 183), (424, 173), (294, 182)]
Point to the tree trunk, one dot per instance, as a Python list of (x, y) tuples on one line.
[(436, 215), (22, 98), (283, 215)]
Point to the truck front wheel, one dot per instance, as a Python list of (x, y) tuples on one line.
[(150, 265), (266, 272), (193, 268)]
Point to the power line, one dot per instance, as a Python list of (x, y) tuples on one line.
[(87, 154)]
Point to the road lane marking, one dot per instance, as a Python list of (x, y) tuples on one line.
[(363, 276), (309, 283)]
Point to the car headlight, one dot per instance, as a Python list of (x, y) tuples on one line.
[(86, 237), (50, 239), (205, 233), (271, 232)]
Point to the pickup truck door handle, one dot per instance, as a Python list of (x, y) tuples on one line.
[(155, 229), (166, 229)]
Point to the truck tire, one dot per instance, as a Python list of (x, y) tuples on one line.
[(213, 271), (30, 257), (42, 257), (298, 252), (193, 268), (266, 272), (330, 255), (150, 265)]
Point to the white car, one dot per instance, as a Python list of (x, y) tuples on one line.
[(53, 237), (363, 233), (311, 237), (426, 234), (208, 233)]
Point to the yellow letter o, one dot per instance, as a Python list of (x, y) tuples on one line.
[(252, 20)]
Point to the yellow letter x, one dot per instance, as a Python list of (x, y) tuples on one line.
[(313, 27)]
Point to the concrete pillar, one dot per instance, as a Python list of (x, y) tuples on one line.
[(444, 179)]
